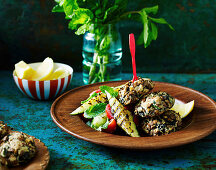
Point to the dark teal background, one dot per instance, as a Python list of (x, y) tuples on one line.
[(30, 32)]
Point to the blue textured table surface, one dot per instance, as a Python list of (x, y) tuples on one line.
[(67, 152)]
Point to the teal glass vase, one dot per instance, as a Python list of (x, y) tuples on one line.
[(102, 53)]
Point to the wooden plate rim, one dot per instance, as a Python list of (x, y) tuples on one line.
[(130, 139)]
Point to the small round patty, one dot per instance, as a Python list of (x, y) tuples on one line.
[(16, 148), (4, 129), (154, 104), (132, 91), (168, 122)]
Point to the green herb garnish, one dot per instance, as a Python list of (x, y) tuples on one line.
[(90, 97), (110, 90), (95, 110)]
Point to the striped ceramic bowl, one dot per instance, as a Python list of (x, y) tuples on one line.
[(44, 90)]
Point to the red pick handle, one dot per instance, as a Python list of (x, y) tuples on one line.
[(132, 50)]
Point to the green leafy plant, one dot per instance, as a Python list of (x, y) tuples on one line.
[(95, 16)]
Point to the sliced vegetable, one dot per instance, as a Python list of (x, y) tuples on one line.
[(96, 97), (100, 98), (100, 122), (95, 110), (123, 117), (111, 127), (108, 112)]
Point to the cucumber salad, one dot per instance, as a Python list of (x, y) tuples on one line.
[(130, 109)]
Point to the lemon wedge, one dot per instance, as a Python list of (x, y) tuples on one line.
[(183, 109), (59, 73), (44, 70), (23, 70)]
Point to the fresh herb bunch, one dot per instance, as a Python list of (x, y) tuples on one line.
[(94, 16)]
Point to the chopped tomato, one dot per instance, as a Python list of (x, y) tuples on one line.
[(111, 127), (108, 111), (136, 120), (97, 91)]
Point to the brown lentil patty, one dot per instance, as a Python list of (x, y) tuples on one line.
[(169, 121), (132, 91), (4, 129), (154, 104), (16, 148)]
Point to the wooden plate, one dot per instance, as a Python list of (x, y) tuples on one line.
[(39, 162), (200, 123)]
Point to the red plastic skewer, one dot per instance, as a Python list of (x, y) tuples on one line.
[(132, 50)]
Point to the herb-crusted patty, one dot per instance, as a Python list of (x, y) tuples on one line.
[(154, 104), (16, 148), (168, 122), (132, 91), (4, 129)]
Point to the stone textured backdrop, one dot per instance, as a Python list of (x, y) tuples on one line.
[(30, 31)]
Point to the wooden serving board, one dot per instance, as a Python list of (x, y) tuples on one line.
[(200, 122)]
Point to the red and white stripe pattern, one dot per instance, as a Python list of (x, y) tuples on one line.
[(43, 90)]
